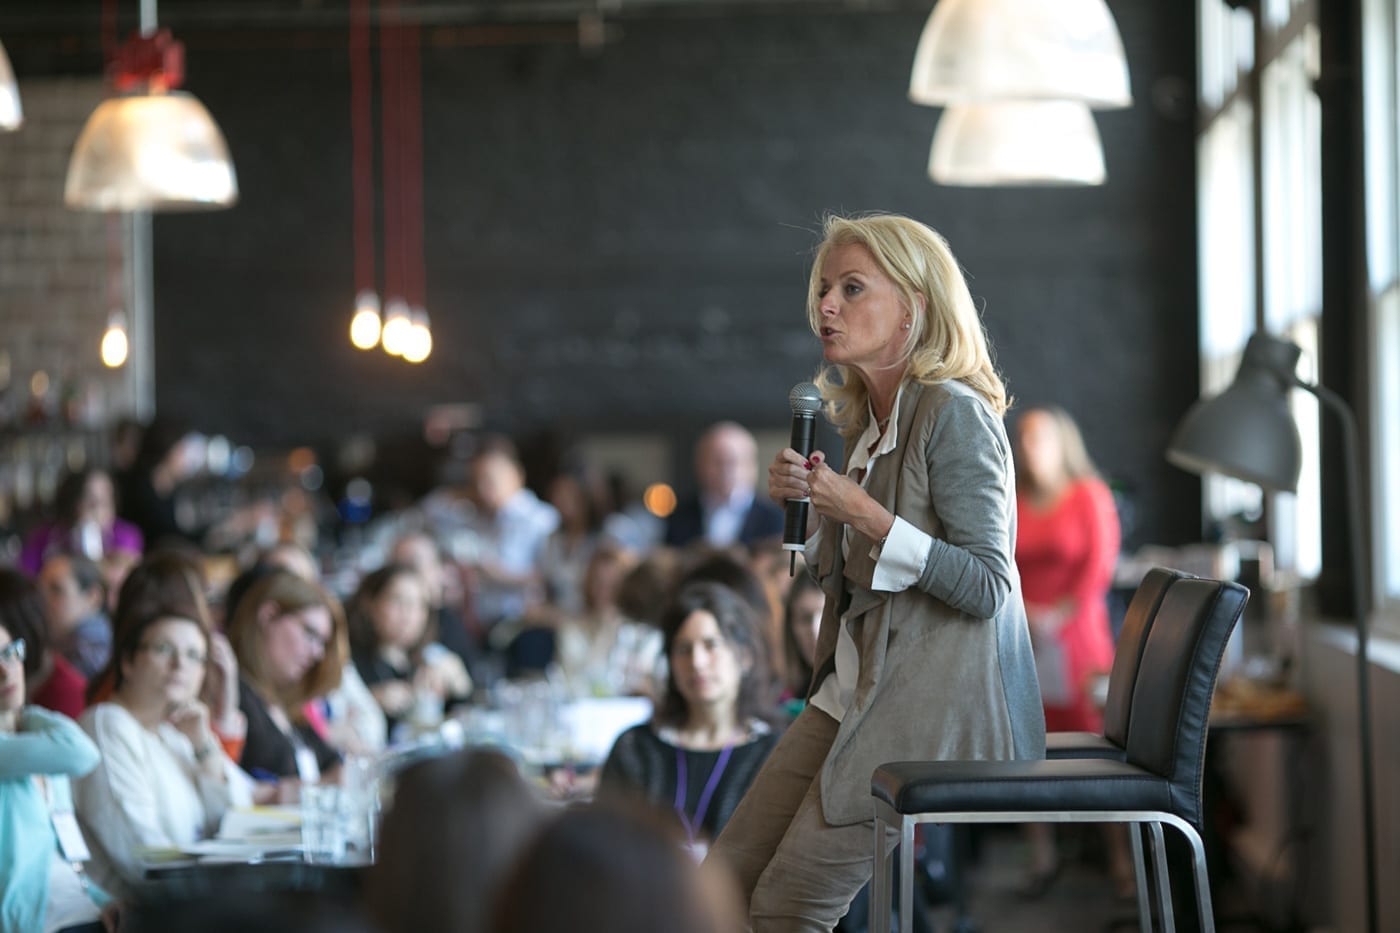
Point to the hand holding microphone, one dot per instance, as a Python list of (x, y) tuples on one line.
[(805, 400)]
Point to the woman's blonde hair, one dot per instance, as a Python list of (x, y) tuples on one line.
[(945, 342), (288, 593)]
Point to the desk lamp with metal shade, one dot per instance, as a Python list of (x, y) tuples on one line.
[(1248, 432)]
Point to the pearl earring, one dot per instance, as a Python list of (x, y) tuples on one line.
[(906, 325)]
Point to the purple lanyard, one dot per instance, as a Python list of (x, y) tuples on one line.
[(711, 785)]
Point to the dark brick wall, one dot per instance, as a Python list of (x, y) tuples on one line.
[(618, 241)]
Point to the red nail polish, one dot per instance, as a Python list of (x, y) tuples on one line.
[(816, 458), (807, 464)]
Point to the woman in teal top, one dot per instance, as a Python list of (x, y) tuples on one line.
[(40, 889)]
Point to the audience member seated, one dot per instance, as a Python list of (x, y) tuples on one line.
[(577, 497), (711, 731), (164, 459), (731, 568), (457, 825), (802, 616), (506, 534), (75, 603), (600, 651), (647, 588), (614, 869), (85, 522), (165, 779), (171, 453), (446, 625), (292, 557), (346, 716), (289, 637), (409, 674), (53, 683), (41, 887), (725, 509)]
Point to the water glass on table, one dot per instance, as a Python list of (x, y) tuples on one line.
[(323, 836)]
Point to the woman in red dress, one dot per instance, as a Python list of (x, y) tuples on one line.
[(1066, 547)]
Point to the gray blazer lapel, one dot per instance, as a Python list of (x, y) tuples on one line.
[(883, 488)]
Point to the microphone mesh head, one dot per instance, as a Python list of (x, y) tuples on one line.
[(805, 399)]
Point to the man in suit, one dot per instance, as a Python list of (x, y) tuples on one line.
[(725, 511)]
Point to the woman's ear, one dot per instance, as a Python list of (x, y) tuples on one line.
[(266, 613)]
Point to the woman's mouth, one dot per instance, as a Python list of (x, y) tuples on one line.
[(828, 332)]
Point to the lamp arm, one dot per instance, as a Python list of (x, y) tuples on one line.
[(1360, 575)]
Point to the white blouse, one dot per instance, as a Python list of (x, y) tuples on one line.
[(148, 793)]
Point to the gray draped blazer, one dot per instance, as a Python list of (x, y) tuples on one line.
[(946, 670)]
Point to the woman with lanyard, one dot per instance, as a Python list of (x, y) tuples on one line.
[(42, 886), (289, 636), (711, 731)]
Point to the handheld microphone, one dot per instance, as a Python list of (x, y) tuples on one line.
[(805, 400)]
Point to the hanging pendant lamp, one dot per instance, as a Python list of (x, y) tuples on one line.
[(153, 148), (978, 50), (11, 114), (1017, 143)]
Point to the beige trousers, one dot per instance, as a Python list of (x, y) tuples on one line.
[(797, 872)]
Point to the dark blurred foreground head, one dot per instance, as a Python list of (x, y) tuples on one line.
[(614, 868)]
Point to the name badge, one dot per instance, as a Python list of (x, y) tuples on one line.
[(70, 837)]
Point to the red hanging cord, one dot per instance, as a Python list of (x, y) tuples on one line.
[(109, 32), (412, 132), (116, 285), (390, 39), (362, 144)]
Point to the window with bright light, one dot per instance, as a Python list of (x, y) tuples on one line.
[(1291, 162), (1226, 243), (1281, 293), (1381, 78)]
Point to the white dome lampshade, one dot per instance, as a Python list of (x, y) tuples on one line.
[(977, 50), (1017, 143), (152, 152), (11, 115)]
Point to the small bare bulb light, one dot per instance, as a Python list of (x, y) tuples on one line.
[(115, 344), (365, 325), (397, 324), (420, 337)]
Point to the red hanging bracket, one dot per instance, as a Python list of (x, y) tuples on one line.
[(155, 63)]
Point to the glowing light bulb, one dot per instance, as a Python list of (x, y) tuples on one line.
[(397, 324), (420, 337), (115, 344), (366, 324)]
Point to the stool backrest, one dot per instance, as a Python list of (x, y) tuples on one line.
[(1127, 653), (1175, 684)]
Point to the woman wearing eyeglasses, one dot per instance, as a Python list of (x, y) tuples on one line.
[(165, 780), (289, 636), (40, 751)]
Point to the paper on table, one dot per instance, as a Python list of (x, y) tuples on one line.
[(250, 823), (239, 850)]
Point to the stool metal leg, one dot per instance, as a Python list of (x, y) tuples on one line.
[(906, 874), (880, 893), (1144, 906), (1202, 879), (1164, 887)]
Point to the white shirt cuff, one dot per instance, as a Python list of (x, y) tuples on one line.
[(900, 561)]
